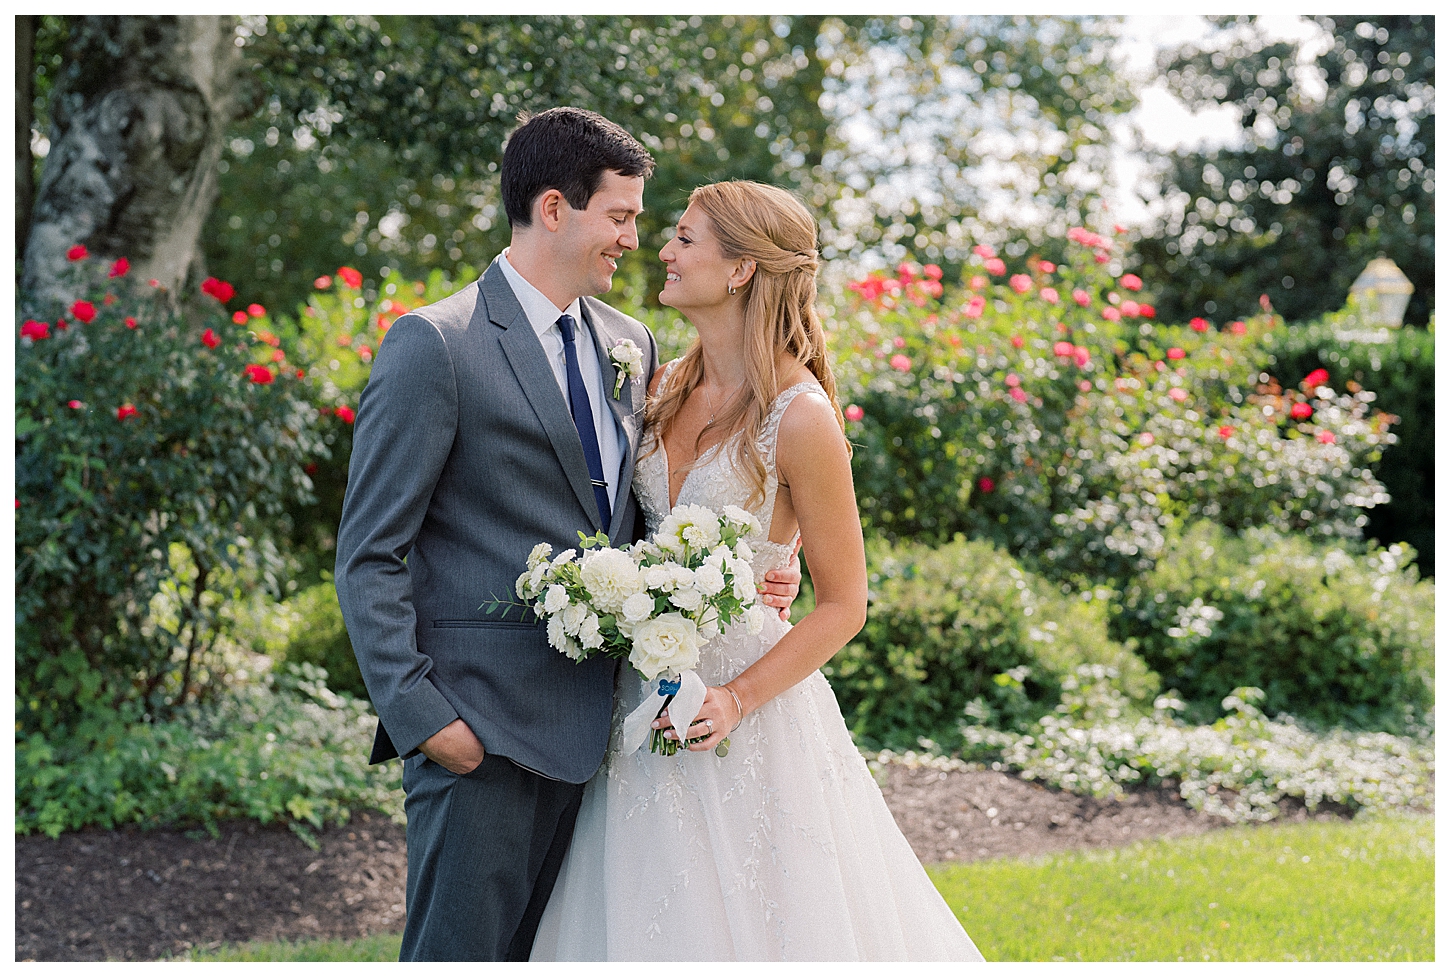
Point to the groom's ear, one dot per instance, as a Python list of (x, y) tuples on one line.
[(549, 207)]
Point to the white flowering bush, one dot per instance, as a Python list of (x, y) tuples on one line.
[(653, 603)]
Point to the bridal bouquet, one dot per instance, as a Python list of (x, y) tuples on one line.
[(653, 603)]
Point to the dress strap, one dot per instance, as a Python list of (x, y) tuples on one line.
[(782, 402)]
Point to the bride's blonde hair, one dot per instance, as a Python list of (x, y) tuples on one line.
[(770, 226)]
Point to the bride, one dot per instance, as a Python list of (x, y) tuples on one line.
[(778, 845)]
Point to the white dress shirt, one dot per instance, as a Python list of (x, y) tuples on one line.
[(544, 317)]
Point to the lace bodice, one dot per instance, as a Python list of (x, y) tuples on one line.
[(715, 483)]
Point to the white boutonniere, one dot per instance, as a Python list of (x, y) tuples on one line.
[(628, 360)]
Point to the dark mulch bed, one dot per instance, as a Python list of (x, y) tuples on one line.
[(132, 895)]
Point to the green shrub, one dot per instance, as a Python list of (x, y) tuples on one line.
[(1331, 636), (156, 449), (1399, 366), (282, 749), (319, 637), (962, 632)]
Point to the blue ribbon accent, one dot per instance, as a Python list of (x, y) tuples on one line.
[(669, 686)]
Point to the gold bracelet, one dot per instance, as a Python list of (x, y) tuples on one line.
[(738, 707)]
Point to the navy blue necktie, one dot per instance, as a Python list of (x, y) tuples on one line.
[(584, 419)]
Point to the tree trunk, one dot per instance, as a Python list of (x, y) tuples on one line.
[(24, 89), (140, 118)]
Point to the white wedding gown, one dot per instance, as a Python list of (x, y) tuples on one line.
[(782, 850)]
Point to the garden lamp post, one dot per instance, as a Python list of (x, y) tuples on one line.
[(1383, 292)]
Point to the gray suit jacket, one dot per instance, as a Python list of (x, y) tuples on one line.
[(464, 456)]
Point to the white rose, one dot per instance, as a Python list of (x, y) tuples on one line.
[(660, 577), (742, 518), (668, 643), (682, 576), (687, 599), (754, 619), (611, 577), (744, 589), (744, 552), (556, 598), (638, 607), (589, 634), (709, 580), (557, 638), (539, 554), (573, 616)]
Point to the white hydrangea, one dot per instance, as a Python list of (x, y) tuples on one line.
[(668, 643), (611, 577)]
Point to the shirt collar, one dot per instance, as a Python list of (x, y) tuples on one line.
[(542, 312)]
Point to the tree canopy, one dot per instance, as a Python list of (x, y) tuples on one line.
[(1337, 165)]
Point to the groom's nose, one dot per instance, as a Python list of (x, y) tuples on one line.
[(629, 235)]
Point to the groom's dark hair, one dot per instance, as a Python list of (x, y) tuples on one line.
[(568, 150)]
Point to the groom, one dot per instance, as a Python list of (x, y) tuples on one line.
[(490, 423)]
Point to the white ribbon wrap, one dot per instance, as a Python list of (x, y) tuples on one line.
[(683, 710)]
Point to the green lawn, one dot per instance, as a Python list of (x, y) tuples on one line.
[(1317, 891), (1335, 891)]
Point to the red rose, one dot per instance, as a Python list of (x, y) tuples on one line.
[(33, 330), (125, 411), (975, 307), (1081, 356), (985, 251), (323, 281), (278, 356), (1049, 294), (901, 362), (1198, 324), (218, 289), (120, 268), (62, 325), (1176, 354), (1130, 308), (83, 310), (854, 413), (1013, 380), (1111, 314), (301, 374), (1301, 412), (1018, 394), (75, 405), (1021, 284), (1325, 437), (1317, 378), (1062, 348), (1046, 267), (1081, 297), (986, 484), (933, 272), (1017, 341), (1178, 394), (350, 276), (1147, 311), (346, 414), (256, 311), (259, 374), (130, 322), (239, 317), (1226, 431), (994, 266), (210, 339), (1237, 328), (77, 252), (1131, 282)]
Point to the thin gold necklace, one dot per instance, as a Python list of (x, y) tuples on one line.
[(710, 405)]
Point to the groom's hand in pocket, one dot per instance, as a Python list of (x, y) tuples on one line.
[(783, 585), (454, 747)]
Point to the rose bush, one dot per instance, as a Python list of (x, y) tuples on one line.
[(153, 464), (1077, 432)]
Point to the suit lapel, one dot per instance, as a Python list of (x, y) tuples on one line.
[(622, 408), (531, 366)]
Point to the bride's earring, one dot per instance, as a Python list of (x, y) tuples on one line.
[(730, 289)]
